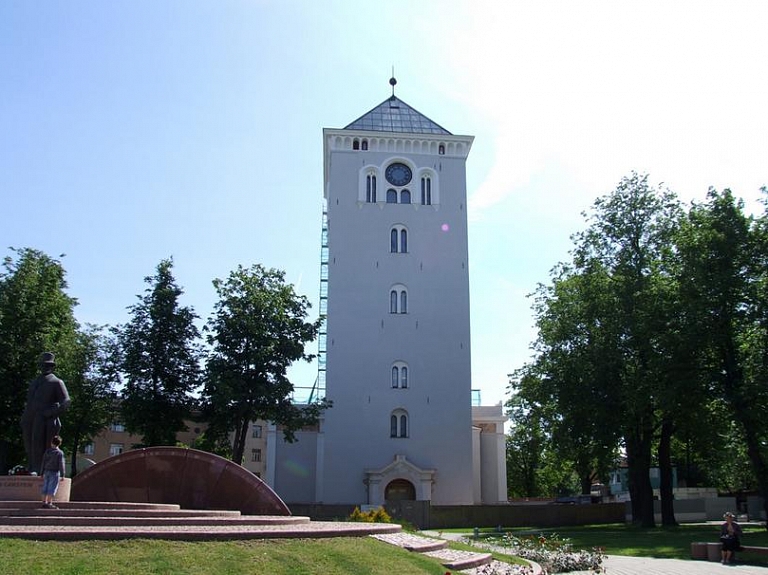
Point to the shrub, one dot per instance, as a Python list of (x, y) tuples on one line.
[(378, 515)]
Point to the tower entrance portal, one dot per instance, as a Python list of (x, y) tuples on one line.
[(400, 490)]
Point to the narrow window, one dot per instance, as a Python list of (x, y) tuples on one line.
[(441, 149), (365, 145), (355, 144), (403, 377), (394, 376), (391, 196), (403, 301), (426, 191), (404, 241), (393, 426), (403, 426), (405, 197), (393, 241), (393, 301), (370, 188)]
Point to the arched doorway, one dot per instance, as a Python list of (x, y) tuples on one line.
[(400, 490)]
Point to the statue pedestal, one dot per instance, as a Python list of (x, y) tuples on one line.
[(27, 488)]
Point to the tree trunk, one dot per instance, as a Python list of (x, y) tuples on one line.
[(239, 442), (665, 469), (639, 467)]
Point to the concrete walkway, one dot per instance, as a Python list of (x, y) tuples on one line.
[(620, 565)]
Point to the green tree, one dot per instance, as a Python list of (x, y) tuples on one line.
[(159, 355), (577, 364), (630, 236), (258, 329), (91, 386), (724, 254), (36, 315)]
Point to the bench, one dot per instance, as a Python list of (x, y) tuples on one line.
[(711, 551), (753, 549)]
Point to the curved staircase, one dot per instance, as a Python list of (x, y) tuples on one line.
[(102, 520)]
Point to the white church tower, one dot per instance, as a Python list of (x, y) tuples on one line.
[(398, 335)]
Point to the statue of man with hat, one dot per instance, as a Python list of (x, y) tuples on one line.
[(47, 398)]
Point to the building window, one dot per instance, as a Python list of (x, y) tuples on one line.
[(88, 449), (256, 455), (364, 145), (426, 191), (370, 188), (398, 240), (115, 449), (399, 375), (355, 144), (441, 149), (405, 197), (256, 431), (398, 299), (117, 426), (398, 424), (391, 196)]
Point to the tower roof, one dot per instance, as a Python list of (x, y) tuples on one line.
[(394, 115)]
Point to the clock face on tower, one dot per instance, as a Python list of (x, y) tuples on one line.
[(398, 174)]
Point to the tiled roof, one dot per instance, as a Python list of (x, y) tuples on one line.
[(394, 115)]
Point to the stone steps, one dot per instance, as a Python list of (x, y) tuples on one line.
[(437, 549), (110, 521)]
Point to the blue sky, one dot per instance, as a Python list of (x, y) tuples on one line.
[(135, 131)]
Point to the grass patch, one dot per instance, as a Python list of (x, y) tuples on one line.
[(664, 542), (358, 555)]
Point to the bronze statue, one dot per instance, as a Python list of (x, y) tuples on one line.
[(47, 398)]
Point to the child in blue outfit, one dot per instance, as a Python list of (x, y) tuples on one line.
[(52, 470)]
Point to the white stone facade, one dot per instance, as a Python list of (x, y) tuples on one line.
[(398, 367)]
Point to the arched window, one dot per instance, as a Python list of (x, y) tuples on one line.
[(370, 188), (391, 196), (398, 423), (355, 144), (365, 145), (441, 149), (426, 191), (398, 299), (405, 197), (398, 240), (399, 375)]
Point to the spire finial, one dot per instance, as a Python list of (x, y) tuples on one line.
[(392, 81)]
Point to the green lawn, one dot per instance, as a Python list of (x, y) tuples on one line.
[(362, 555), (670, 542)]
